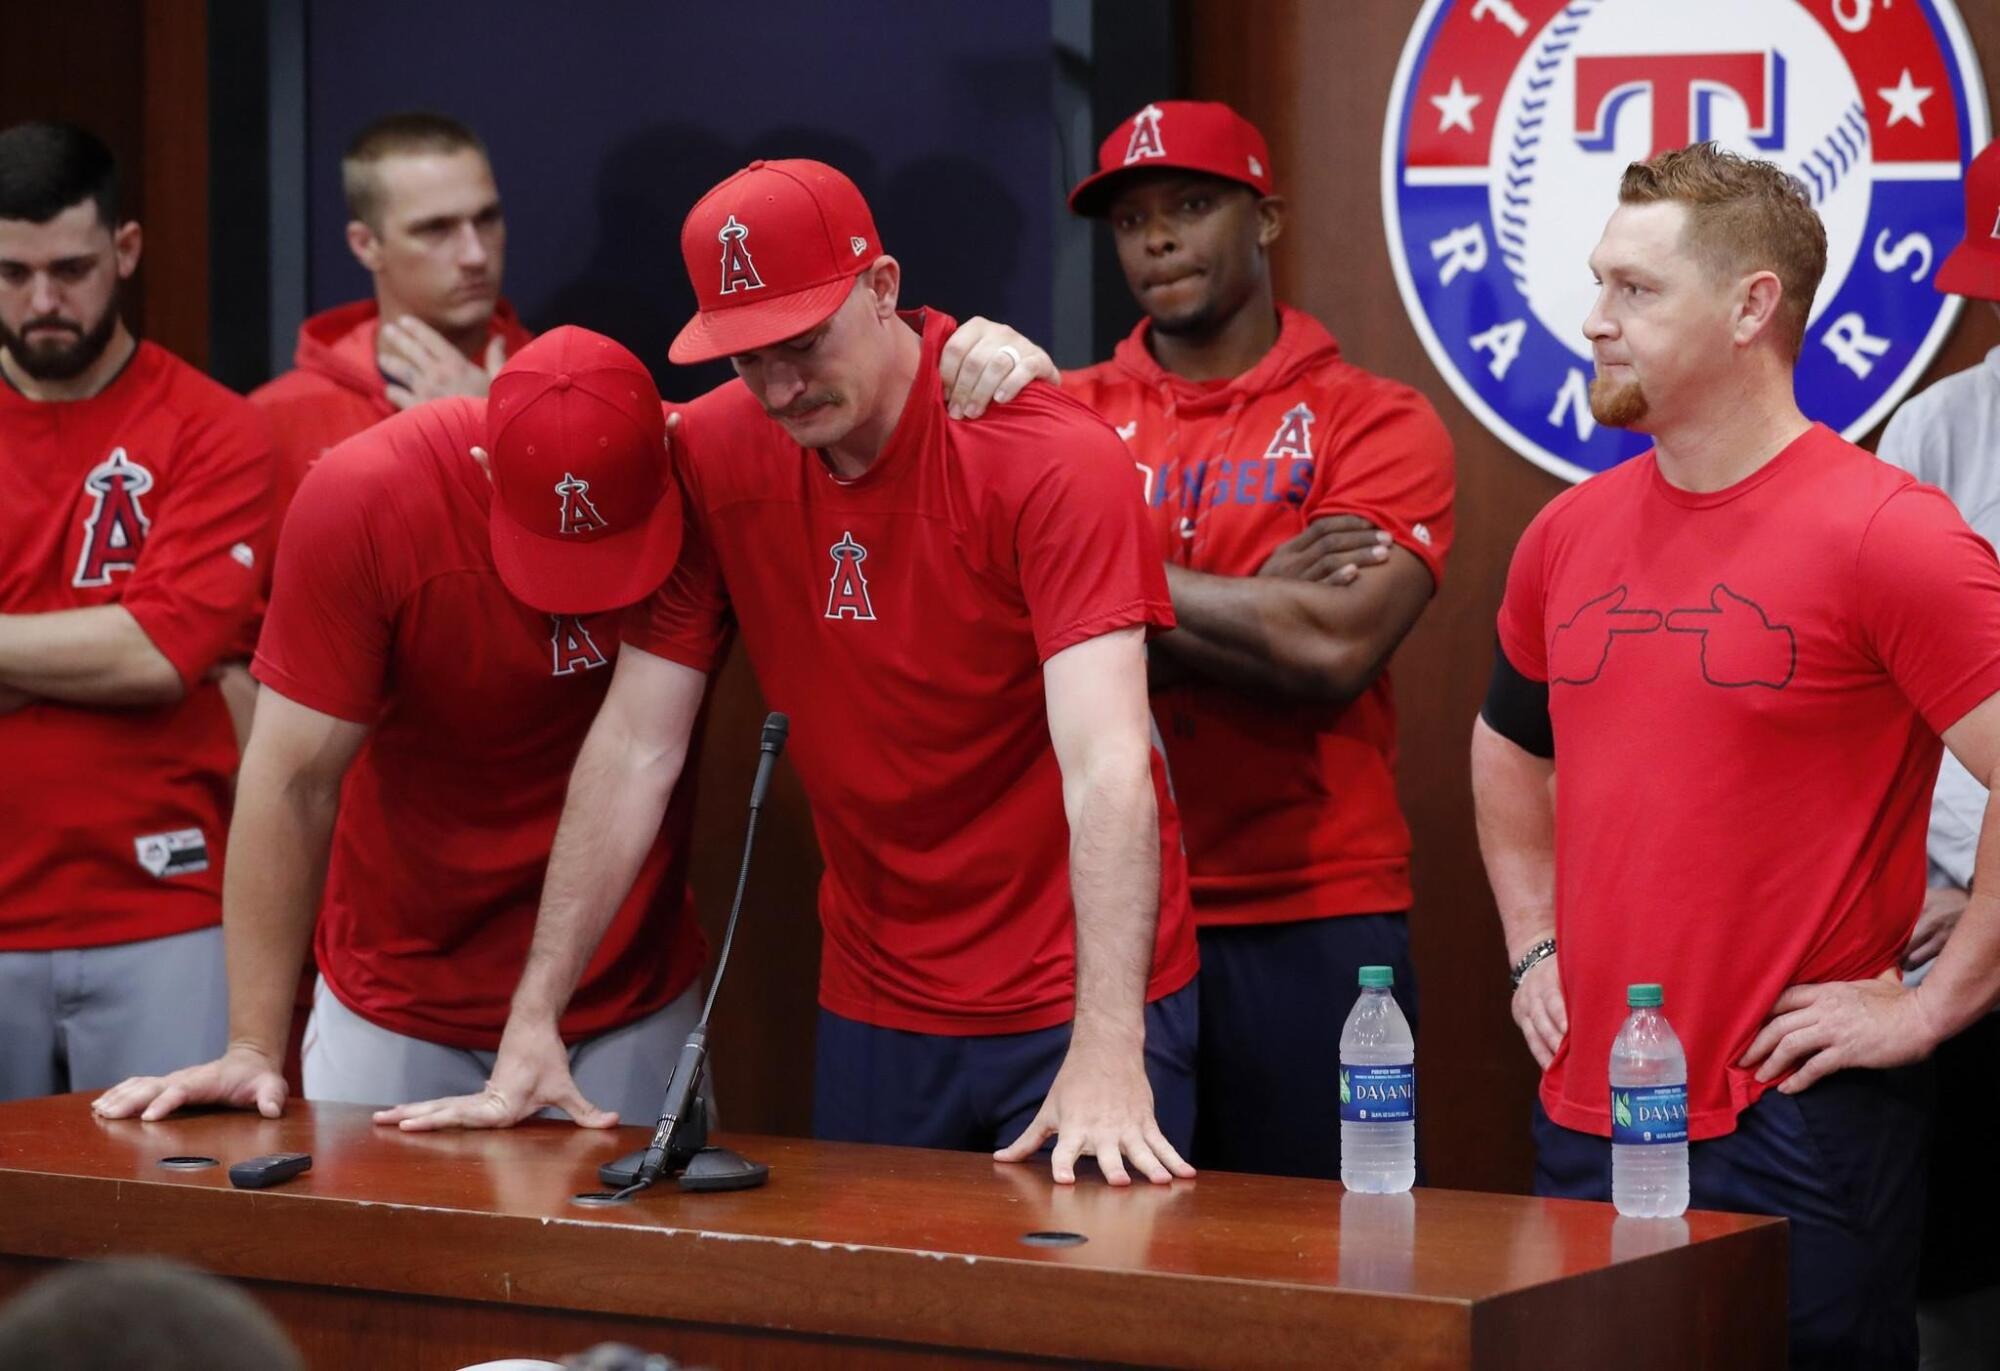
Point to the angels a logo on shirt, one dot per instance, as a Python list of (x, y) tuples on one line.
[(578, 514), (1145, 141), (738, 271), (1294, 435), (571, 648), (848, 596), (1511, 122), (114, 532)]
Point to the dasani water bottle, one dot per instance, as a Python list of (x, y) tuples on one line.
[(1378, 1091), (1649, 1155)]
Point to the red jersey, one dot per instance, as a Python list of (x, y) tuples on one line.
[(1747, 688), (386, 610), (335, 388), (902, 620), (1290, 809), (153, 494)]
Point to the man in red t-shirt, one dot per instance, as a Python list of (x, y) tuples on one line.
[(953, 614), (425, 223), (1271, 693), (1737, 653), (132, 545), (413, 737)]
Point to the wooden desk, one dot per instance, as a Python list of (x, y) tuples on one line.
[(437, 1250)]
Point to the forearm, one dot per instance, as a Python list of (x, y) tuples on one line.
[(1114, 860), (271, 887), (1964, 982), (1515, 813), (95, 656), (617, 797), (1273, 635)]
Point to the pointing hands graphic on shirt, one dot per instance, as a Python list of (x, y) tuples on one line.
[(1740, 646)]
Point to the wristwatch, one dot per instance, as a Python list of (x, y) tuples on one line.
[(1545, 948)]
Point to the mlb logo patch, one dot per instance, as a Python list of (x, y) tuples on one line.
[(179, 853)]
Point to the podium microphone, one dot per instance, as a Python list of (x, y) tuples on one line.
[(680, 1137)]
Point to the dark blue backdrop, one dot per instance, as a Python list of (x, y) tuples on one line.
[(607, 119)]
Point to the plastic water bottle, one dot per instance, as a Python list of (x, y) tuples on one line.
[(1378, 1091), (1649, 1154)]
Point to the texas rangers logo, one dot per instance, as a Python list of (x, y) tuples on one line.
[(1511, 122), (571, 648), (1145, 141), (578, 514), (738, 271), (848, 597), (114, 533)]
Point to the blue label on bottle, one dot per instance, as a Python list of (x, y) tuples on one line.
[(1642, 1114), (1378, 1094)]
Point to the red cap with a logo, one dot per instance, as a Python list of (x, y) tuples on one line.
[(771, 252), (1974, 266), (1184, 135), (586, 516)]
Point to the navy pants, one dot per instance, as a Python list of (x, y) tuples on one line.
[(885, 1085), (1273, 1000), (1845, 1162)]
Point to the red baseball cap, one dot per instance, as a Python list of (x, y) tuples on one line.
[(1973, 268), (771, 253), (1186, 135), (586, 516)]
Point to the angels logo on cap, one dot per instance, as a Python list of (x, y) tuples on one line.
[(1145, 140), (738, 271), (577, 515), (1511, 122)]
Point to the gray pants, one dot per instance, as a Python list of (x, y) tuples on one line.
[(347, 1058), (86, 1018)]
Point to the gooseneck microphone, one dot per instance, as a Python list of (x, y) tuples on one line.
[(680, 1136)]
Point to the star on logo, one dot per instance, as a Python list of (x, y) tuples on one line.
[(1455, 107), (1906, 100)]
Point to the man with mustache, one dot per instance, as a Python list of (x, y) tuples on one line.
[(1263, 450), (1737, 653), (954, 614), (133, 542)]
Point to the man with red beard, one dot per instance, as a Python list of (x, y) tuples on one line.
[(133, 541), (1738, 653)]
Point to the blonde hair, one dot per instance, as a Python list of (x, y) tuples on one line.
[(396, 135), (1744, 215)]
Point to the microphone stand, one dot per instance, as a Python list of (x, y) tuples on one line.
[(680, 1138)]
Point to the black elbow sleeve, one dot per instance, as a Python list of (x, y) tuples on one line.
[(1518, 709)]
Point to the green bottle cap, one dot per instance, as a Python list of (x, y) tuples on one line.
[(1377, 977), (1645, 996)]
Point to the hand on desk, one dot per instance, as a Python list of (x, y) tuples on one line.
[(1100, 1105), (531, 1073), (244, 1077)]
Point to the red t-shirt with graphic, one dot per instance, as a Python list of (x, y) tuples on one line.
[(387, 610), (1747, 688), (902, 619), (1290, 809), (153, 494)]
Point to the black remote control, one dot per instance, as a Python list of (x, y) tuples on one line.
[(274, 1169)]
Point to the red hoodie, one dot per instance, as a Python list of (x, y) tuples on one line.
[(335, 389), (1289, 809)]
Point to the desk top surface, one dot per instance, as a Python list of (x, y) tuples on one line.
[(943, 1206)]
